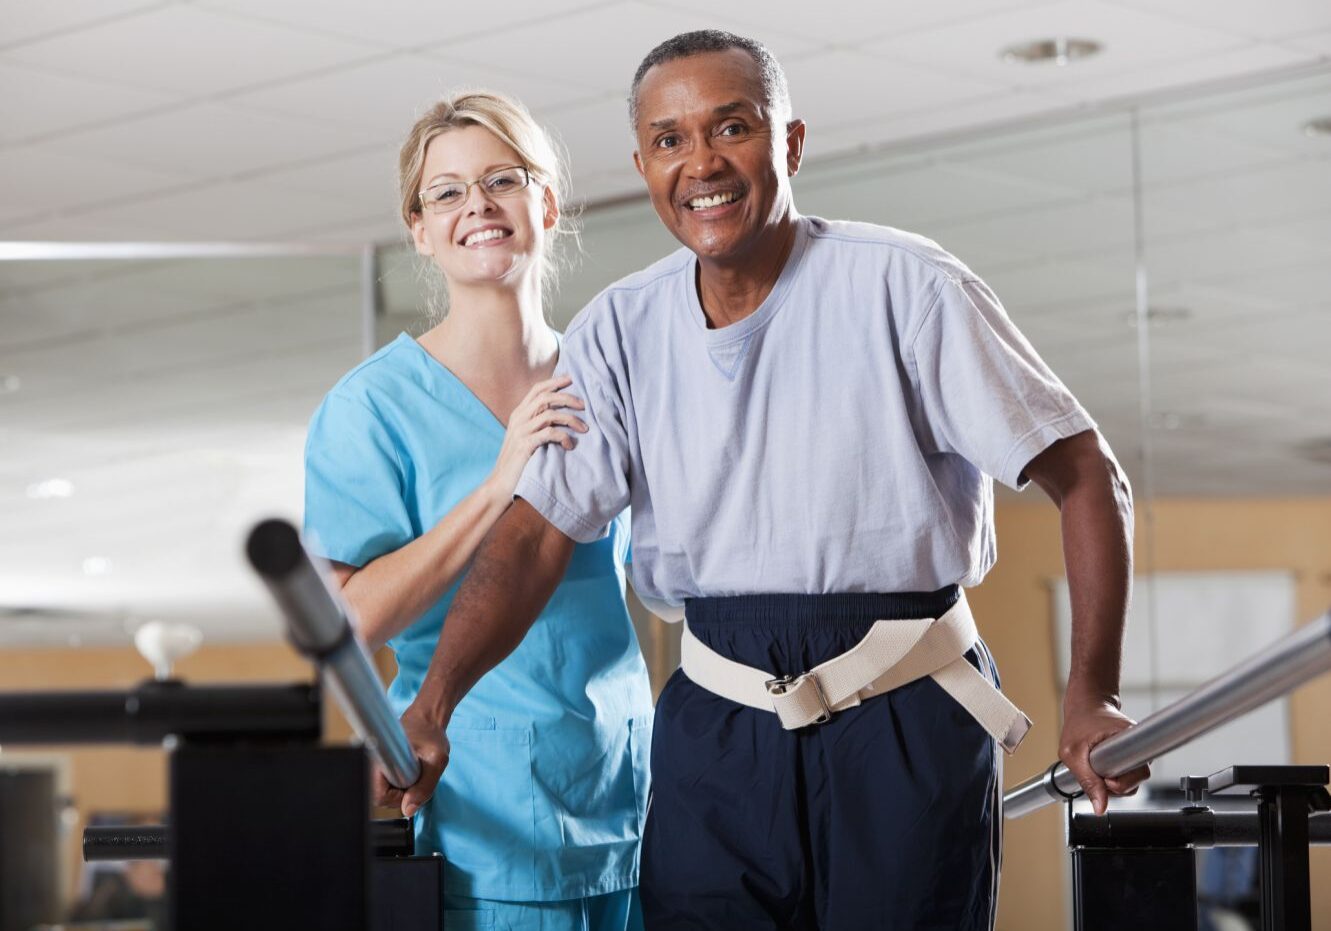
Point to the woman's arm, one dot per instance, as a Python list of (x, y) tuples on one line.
[(391, 592)]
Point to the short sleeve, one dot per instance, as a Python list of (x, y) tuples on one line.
[(581, 490), (984, 393), (354, 506)]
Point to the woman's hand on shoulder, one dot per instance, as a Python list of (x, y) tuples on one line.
[(543, 416)]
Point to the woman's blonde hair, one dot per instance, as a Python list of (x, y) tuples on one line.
[(514, 126)]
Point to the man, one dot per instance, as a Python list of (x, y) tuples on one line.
[(803, 416)]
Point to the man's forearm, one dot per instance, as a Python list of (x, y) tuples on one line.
[(516, 570), (1094, 501), (1096, 516)]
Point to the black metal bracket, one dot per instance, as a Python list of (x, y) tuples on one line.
[(1286, 797)]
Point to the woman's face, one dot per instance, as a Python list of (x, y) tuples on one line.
[(488, 239)]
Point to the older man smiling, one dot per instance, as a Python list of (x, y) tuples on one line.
[(805, 416)]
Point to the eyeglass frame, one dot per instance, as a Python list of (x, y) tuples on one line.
[(427, 208)]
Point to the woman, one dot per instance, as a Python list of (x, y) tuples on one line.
[(411, 458)]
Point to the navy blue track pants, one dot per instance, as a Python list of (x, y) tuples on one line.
[(884, 818)]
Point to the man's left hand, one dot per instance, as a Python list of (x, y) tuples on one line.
[(1087, 722)]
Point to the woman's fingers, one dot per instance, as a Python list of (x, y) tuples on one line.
[(559, 399), (553, 435), (559, 418), (550, 384)]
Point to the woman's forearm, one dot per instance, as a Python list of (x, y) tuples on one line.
[(391, 592)]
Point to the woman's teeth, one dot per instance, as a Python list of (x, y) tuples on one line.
[(485, 236), (716, 200)]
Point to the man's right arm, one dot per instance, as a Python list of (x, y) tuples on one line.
[(516, 570)]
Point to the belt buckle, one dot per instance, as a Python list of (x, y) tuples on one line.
[(783, 684)]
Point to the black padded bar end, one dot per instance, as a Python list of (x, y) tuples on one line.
[(124, 842), (274, 548)]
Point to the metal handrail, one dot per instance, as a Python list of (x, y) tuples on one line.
[(318, 624), (1275, 671)]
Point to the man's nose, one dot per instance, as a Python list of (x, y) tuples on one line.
[(706, 159)]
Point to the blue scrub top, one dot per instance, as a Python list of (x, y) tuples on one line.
[(545, 794)]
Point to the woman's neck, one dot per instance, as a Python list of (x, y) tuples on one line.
[(494, 335)]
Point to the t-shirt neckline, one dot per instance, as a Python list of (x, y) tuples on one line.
[(766, 310)]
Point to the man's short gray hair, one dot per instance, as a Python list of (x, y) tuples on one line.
[(687, 44)]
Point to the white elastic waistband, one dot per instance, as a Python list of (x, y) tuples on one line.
[(892, 654)]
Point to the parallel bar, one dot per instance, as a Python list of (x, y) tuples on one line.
[(318, 626), (1279, 669), (157, 710), (388, 838), (14, 251), (1180, 828)]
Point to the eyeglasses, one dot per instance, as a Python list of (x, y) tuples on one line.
[(450, 195)]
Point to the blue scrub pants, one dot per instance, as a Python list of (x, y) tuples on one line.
[(887, 817), (614, 911)]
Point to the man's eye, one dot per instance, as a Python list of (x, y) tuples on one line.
[(732, 129), (668, 142)]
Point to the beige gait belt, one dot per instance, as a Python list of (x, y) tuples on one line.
[(892, 654)]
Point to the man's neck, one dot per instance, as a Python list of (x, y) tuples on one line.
[(731, 291)]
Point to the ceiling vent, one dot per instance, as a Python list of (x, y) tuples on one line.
[(1318, 450)]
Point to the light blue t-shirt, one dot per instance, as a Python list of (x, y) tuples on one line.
[(839, 439), (545, 794)]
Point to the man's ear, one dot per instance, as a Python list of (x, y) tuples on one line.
[(551, 208), (637, 163), (795, 130)]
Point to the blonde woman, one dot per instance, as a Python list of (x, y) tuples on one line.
[(411, 458)]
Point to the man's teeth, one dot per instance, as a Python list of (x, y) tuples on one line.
[(484, 236), (716, 200)]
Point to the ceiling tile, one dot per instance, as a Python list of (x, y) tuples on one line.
[(1132, 41), (365, 182), (223, 211), (916, 197), (44, 177), (399, 23), (1271, 116), (213, 141), (36, 103), (1319, 42), (595, 135), (1216, 64), (848, 22), (386, 96), (600, 48), (818, 86), (27, 21), (1078, 158), (1266, 20), (182, 50), (1244, 198)]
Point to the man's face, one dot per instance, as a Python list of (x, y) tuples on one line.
[(716, 160)]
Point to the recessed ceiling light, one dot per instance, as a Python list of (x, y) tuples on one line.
[(1175, 420), (1160, 315), (1060, 50), (51, 488), (96, 565), (1319, 128)]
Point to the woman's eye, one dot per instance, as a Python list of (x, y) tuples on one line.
[(444, 196), (500, 184)]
